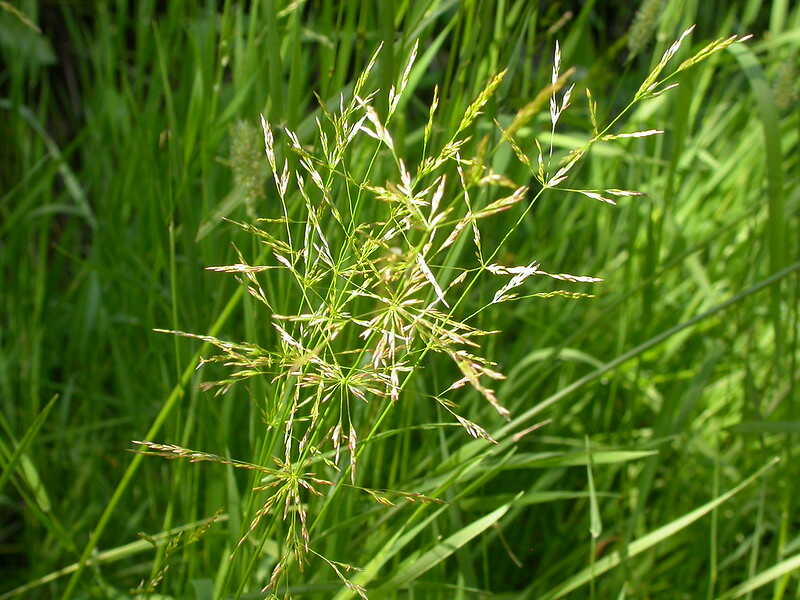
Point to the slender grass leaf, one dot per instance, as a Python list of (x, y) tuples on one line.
[(651, 539), (764, 577), (18, 456), (595, 523), (112, 555), (444, 549)]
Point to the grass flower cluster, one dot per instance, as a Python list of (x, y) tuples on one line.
[(379, 275), (503, 300)]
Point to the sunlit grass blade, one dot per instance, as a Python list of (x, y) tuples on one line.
[(650, 540)]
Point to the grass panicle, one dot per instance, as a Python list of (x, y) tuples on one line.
[(402, 233)]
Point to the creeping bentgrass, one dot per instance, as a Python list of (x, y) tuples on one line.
[(373, 265), (638, 407)]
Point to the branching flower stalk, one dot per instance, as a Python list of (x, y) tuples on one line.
[(380, 281)]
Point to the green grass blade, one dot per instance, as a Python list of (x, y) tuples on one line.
[(776, 227), (766, 427), (784, 567), (651, 539), (441, 551), (111, 555), (18, 456), (595, 524)]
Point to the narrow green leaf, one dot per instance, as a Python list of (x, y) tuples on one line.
[(782, 568), (776, 225), (18, 455), (527, 499), (766, 427), (595, 523), (114, 554), (444, 549), (549, 460), (651, 539)]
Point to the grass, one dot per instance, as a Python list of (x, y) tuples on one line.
[(648, 448)]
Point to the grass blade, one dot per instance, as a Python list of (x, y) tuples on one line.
[(441, 551), (18, 455), (651, 539), (776, 225), (764, 577)]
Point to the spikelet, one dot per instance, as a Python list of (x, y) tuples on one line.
[(643, 26), (246, 162), (474, 109)]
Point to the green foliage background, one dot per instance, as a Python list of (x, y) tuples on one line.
[(129, 131)]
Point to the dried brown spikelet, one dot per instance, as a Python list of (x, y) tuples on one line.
[(643, 26), (246, 162)]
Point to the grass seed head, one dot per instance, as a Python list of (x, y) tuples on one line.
[(644, 26)]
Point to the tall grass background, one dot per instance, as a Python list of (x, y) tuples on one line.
[(663, 464)]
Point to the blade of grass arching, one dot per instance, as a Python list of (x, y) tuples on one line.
[(423, 63), (18, 455), (409, 572), (112, 555), (155, 427), (231, 202), (46, 518), (552, 460), (527, 499), (776, 226), (651, 539), (428, 15), (785, 567), (71, 182), (405, 533), (545, 460), (516, 376), (38, 502), (397, 542)]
